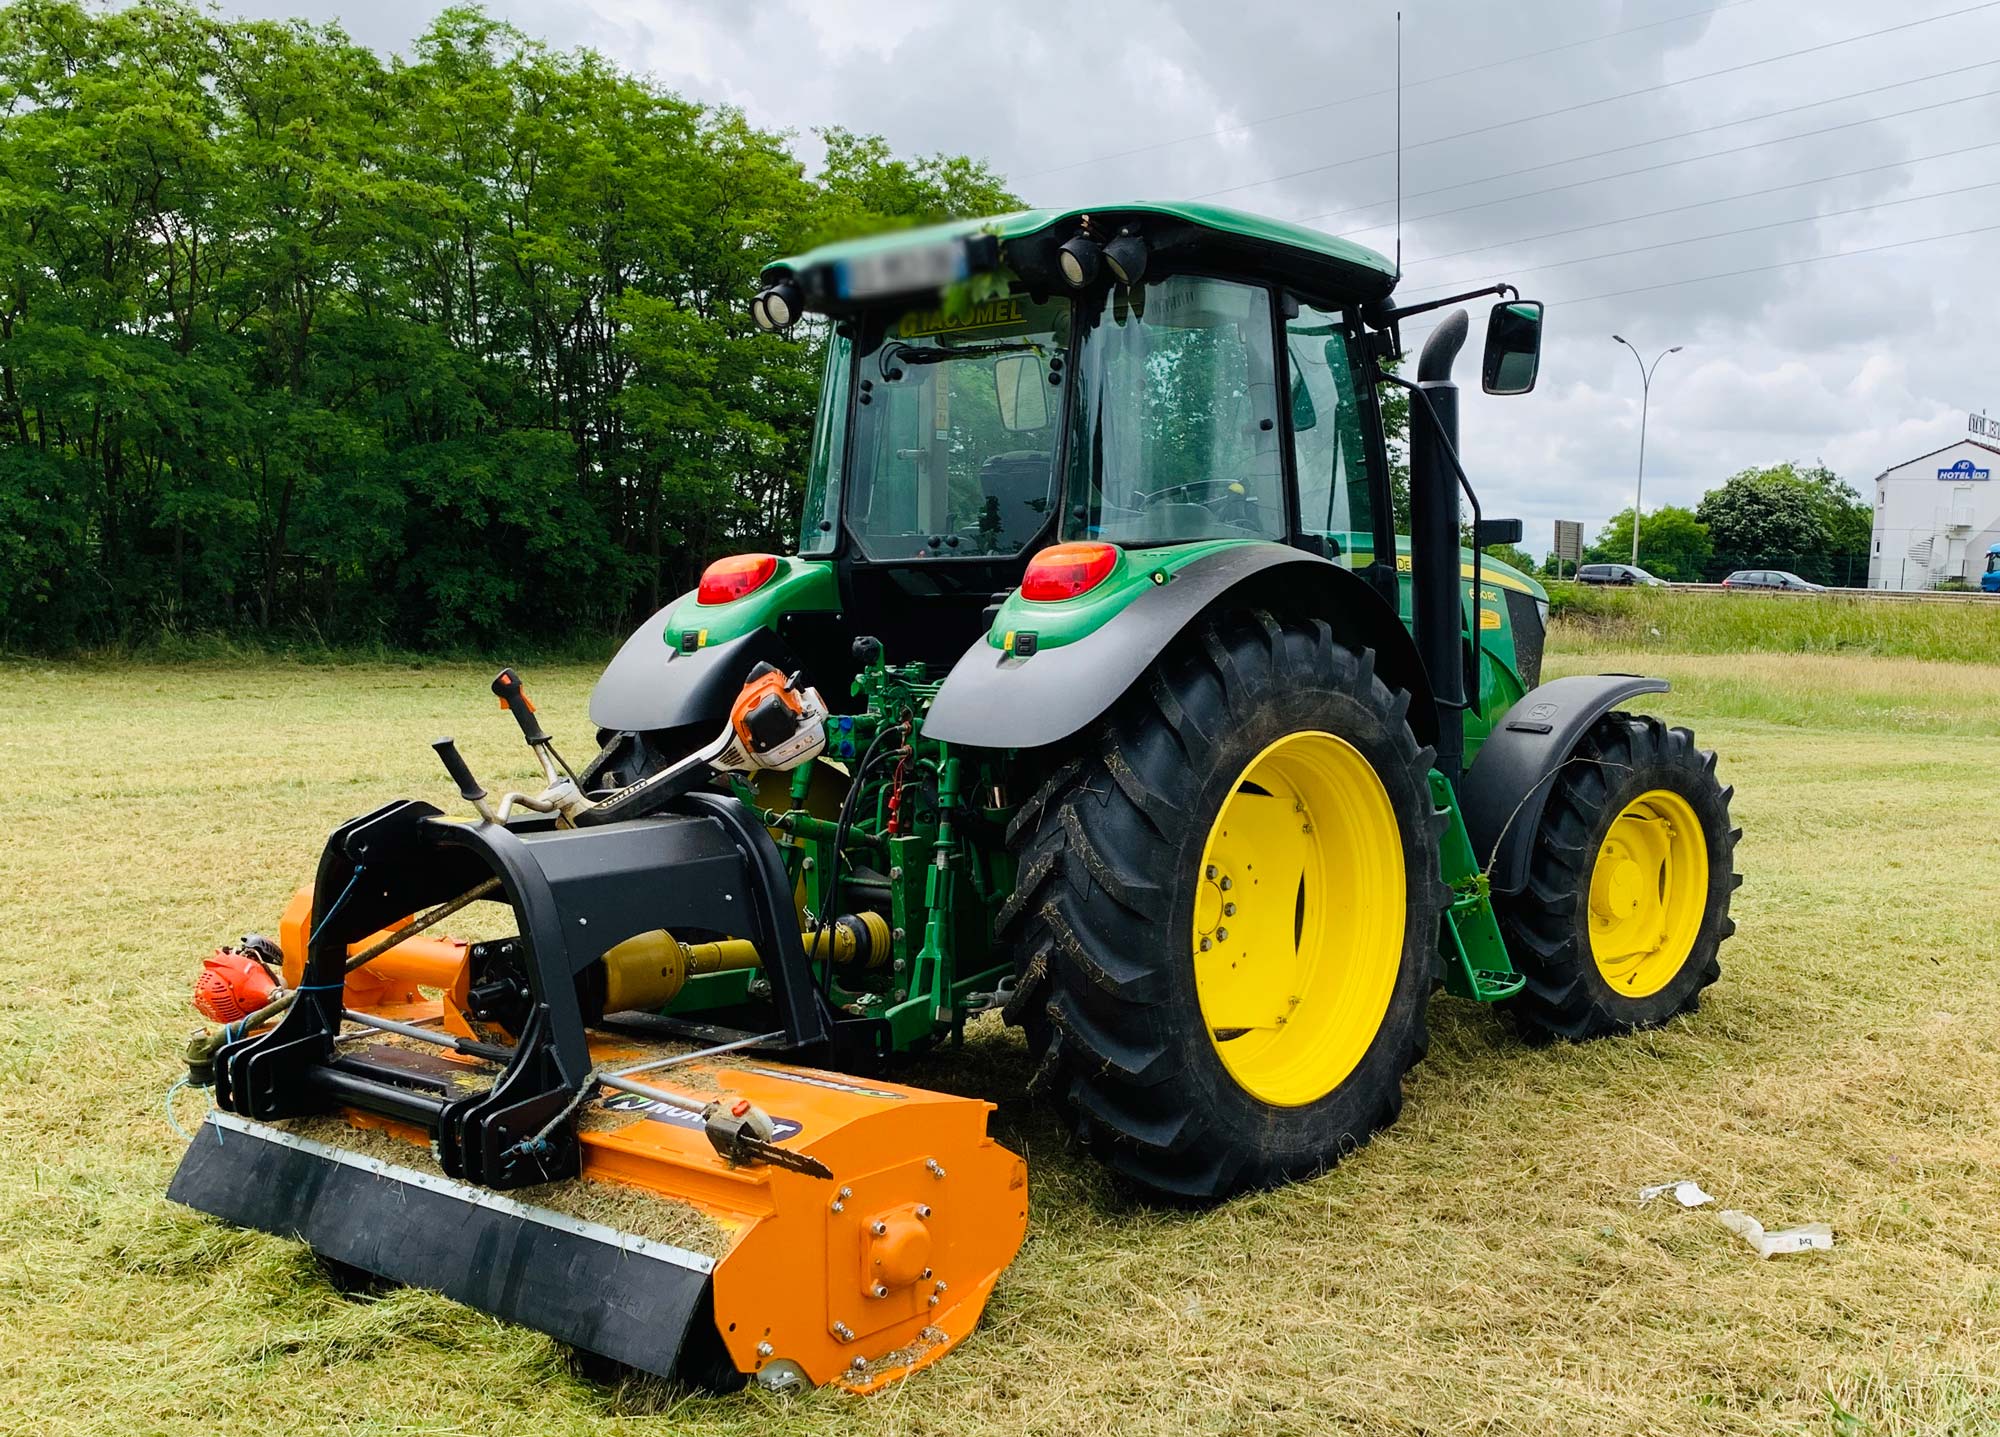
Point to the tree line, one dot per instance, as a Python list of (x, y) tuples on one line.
[(425, 350), (1803, 518)]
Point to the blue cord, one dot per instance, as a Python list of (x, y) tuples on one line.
[(173, 1121)]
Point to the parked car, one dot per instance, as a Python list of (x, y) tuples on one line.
[(1771, 579), (1617, 574)]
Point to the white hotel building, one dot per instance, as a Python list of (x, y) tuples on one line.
[(1935, 517)]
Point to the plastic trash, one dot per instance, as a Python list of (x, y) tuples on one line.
[(1686, 1193), (1809, 1237)]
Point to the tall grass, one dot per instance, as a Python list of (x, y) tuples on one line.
[(1592, 620)]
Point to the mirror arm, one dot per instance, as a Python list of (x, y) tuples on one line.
[(1382, 319)]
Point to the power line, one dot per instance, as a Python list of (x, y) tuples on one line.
[(1688, 160), (1382, 93), (1703, 204), (1727, 234), (1606, 100), (1663, 139), (1754, 269)]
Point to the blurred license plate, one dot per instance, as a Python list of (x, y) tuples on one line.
[(900, 271)]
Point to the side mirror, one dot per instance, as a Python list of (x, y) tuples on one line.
[(1488, 532), (1513, 347), (1021, 392)]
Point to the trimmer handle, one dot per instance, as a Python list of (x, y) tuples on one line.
[(461, 773), (514, 698)]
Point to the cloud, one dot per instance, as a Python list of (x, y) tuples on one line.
[(1864, 361)]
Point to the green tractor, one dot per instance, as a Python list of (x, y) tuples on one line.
[(1148, 729), (1100, 692)]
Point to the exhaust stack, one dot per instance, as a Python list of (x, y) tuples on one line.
[(1436, 608)]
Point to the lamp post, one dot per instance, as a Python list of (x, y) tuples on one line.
[(1645, 398)]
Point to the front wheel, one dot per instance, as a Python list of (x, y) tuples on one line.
[(1629, 882), (1226, 916)]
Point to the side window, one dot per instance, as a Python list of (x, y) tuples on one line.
[(1175, 434), (1327, 447)]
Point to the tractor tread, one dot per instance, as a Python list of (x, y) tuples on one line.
[(1094, 929)]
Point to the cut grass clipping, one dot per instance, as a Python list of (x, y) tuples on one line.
[(1483, 1267)]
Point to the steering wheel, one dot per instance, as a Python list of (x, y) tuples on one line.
[(1230, 486)]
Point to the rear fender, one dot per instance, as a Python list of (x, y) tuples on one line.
[(1504, 792), (994, 698)]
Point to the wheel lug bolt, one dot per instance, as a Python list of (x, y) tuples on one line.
[(1209, 872), (1225, 885), (1222, 935), (1229, 910), (1206, 944)]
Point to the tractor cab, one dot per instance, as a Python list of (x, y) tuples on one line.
[(1130, 379)]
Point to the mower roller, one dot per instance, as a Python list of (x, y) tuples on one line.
[(1100, 692)]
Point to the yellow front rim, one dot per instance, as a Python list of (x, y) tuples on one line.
[(1648, 892), (1298, 918)]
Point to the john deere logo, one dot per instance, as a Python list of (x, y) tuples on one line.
[(1965, 469)]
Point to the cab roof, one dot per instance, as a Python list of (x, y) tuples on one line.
[(1196, 233)]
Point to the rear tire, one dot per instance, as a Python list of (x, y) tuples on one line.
[(1113, 856), (1586, 978)]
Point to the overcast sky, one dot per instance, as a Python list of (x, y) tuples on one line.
[(1862, 362)]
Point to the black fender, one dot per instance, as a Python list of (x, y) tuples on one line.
[(993, 699), (651, 685), (1503, 794)]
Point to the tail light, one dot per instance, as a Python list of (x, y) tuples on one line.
[(1065, 570), (735, 576)]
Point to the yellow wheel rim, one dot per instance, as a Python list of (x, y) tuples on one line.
[(1298, 918), (1648, 892)]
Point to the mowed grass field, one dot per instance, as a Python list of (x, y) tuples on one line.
[(1483, 1267)]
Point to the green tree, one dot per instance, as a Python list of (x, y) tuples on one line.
[(1767, 513), (1510, 554), (436, 349), (1673, 543)]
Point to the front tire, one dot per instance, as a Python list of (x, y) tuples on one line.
[(1226, 913), (1629, 883)]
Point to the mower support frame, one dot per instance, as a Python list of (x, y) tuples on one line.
[(576, 893)]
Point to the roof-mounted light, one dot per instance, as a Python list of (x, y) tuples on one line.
[(1126, 257), (1079, 259)]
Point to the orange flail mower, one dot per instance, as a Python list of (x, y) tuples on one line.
[(516, 1124)]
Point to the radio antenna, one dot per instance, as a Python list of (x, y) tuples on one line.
[(1399, 144)]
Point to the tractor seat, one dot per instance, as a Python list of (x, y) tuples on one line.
[(1015, 490)]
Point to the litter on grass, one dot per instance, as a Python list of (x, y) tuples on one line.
[(1810, 1237), (1687, 1194)]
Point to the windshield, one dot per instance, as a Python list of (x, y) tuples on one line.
[(956, 422), (1176, 434), (1992, 563)]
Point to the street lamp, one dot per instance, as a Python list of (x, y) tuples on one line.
[(1645, 397)]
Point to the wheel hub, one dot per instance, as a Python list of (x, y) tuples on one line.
[(1298, 918), (1648, 891)]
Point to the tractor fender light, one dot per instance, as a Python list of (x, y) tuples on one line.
[(1065, 570), (733, 577), (1125, 257), (1079, 259)]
